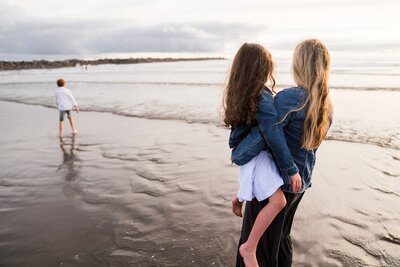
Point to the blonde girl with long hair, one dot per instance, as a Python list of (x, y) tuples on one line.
[(305, 113)]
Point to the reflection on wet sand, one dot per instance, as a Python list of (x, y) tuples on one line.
[(69, 169), (69, 159)]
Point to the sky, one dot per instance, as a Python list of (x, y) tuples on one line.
[(53, 28)]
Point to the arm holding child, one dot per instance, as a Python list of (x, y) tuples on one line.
[(268, 134)]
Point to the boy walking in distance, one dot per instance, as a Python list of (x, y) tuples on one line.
[(65, 102)]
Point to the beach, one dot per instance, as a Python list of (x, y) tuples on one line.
[(148, 181), (147, 178), (129, 191)]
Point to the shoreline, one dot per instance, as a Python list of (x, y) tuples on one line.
[(56, 64), (329, 137)]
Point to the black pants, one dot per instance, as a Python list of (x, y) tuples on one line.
[(275, 246)]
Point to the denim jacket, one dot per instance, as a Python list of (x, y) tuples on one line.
[(253, 142), (267, 133)]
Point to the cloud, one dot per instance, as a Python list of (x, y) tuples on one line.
[(66, 37), (75, 27), (22, 33), (206, 37)]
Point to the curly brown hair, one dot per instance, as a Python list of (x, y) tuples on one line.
[(60, 82), (252, 67)]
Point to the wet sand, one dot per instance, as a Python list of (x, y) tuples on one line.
[(137, 192)]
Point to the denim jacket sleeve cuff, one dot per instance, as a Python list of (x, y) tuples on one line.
[(291, 171)]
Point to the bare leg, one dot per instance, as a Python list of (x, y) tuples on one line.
[(248, 250), (61, 127), (71, 122), (237, 207)]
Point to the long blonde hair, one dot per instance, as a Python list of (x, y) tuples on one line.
[(311, 63), (252, 67)]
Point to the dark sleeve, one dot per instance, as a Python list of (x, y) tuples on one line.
[(272, 131), (268, 133), (237, 134), (249, 147)]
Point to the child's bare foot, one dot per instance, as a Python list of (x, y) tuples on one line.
[(249, 257), (237, 206)]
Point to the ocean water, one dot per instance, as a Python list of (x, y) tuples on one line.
[(365, 91)]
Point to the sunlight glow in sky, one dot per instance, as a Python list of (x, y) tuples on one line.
[(53, 27)]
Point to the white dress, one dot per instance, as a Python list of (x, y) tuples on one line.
[(259, 178)]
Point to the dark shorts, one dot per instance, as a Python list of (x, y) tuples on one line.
[(62, 114)]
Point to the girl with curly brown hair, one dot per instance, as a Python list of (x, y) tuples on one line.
[(247, 103)]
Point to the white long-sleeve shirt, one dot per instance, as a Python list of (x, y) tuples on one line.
[(64, 99)]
